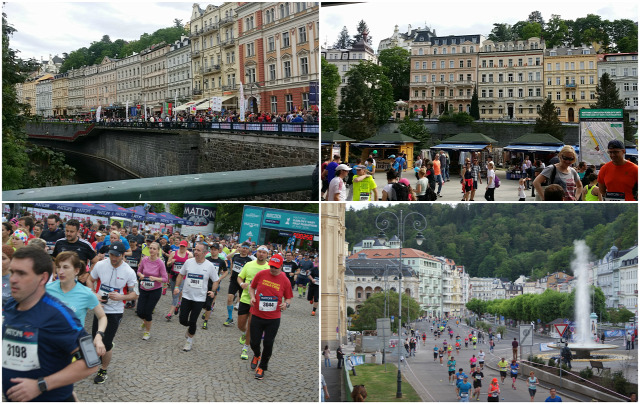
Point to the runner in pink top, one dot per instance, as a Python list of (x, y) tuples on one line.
[(151, 273)]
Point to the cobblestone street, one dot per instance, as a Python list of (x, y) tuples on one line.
[(158, 369)]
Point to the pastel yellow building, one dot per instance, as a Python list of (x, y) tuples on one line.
[(571, 76), (60, 94), (333, 299)]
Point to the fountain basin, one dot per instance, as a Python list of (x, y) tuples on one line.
[(583, 351)]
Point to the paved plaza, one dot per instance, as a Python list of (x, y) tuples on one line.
[(430, 380), (452, 190), (158, 369)]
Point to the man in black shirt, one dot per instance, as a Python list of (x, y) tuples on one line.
[(290, 267), (237, 262), (221, 266), (314, 288), (72, 242), (135, 236), (52, 233)]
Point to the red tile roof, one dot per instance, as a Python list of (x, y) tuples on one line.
[(376, 253)]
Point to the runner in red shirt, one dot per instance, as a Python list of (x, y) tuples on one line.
[(271, 294)]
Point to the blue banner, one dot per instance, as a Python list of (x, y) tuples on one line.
[(292, 221), (250, 227), (313, 93)]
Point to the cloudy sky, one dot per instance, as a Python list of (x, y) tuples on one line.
[(457, 17), (55, 27)]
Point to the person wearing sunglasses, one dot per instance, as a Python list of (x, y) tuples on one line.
[(562, 174)]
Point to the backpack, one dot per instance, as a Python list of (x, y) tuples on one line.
[(496, 181), (350, 177), (429, 195), (401, 190)]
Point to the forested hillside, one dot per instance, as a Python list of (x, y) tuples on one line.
[(507, 240)]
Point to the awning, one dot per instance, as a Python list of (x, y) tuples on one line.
[(630, 151), (378, 145), (534, 148), (206, 104), (460, 146), (188, 104)]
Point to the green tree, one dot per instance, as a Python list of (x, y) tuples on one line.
[(536, 16), (501, 33), (343, 41), (607, 94), (548, 121), (367, 101), (177, 23), (624, 35), (530, 30), (474, 110), (363, 31), (416, 130), (176, 209), (620, 316), (396, 63), (373, 308), (429, 110), (477, 306), (18, 170), (556, 32), (329, 95)]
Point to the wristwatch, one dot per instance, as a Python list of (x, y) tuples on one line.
[(288, 305), (42, 384), (101, 333)]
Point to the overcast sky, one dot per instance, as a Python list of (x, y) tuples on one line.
[(55, 27), (457, 17)]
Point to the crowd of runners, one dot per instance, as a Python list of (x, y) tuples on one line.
[(469, 379), (53, 276)]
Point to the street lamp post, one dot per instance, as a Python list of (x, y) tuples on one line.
[(382, 224)]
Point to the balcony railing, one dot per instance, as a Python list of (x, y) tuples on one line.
[(197, 92), (228, 42), (195, 54), (226, 21)]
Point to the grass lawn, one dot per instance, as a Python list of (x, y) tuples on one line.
[(382, 386)]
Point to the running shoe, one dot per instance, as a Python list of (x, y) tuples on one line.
[(101, 377), (146, 336), (259, 374), (313, 312), (176, 310), (204, 325), (310, 301), (168, 317), (164, 291), (245, 354), (243, 339), (202, 316), (228, 323), (255, 361), (187, 346), (142, 326)]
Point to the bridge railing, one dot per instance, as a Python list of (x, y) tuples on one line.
[(179, 188), (281, 128)]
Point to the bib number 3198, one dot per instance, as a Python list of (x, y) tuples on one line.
[(20, 349)]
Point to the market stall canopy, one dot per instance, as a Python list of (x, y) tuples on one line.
[(334, 137), (466, 141), (383, 139), (206, 104), (536, 142)]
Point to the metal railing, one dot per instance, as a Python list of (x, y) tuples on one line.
[(282, 128), (196, 187)]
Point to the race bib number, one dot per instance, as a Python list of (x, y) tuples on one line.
[(268, 303), (614, 196), (177, 266), (464, 394), (303, 272), (237, 267), (216, 267), (147, 284), (364, 196), (133, 263), (494, 394), (478, 377), (286, 268), (317, 281), (50, 245), (20, 349), (195, 280)]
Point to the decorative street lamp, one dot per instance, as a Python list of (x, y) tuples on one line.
[(382, 224)]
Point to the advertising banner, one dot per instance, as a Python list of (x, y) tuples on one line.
[(202, 215), (288, 220), (597, 128), (250, 227)]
